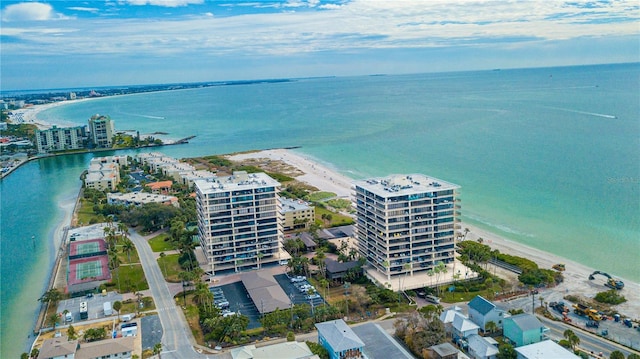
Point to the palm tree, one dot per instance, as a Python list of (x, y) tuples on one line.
[(491, 326), (202, 295), (52, 296), (259, 257), (53, 319), (572, 338), (127, 247), (114, 261), (123, 229), (157, 349)]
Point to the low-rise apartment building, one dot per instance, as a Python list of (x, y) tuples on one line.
[(296, 214)]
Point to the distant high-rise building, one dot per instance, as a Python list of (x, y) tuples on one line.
[(102, 131), (59, 139), (405, 223), (238, 221)]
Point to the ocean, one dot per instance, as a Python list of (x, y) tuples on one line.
[(548, 157)]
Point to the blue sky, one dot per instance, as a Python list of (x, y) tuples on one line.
[(58, 44)]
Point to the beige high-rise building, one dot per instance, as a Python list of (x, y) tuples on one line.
[(102, 130), (239, 221), (405, 224)]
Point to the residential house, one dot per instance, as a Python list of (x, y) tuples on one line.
[(286, 350), (543, 350), (444, 351), (482, 347), (378, 344), (339, 340), (524, 329), (447, 316), (337, 270), (58, 348), (463, 327), (161, 187), (482, 311)]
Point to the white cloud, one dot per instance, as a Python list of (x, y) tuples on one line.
[(28, 12), (86, 9), (165, 3)]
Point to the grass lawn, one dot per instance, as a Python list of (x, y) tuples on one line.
[(336, 218), (193, 318), (161, 243), (128, 278), (170, 267), (124, 257), (132, 305), (319, 196), (340, 204), (454, 297), (86, 215)]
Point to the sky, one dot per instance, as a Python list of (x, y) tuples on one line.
[(72, 44)]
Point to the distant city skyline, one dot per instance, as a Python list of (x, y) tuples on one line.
[(67, 44)]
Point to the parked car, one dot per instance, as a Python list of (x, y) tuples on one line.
[(432, 299)]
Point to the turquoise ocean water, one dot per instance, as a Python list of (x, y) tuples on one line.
[(547, 157)]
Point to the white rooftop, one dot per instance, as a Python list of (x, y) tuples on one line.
[(238, 181), (288, 205), (397, 185), (544, 350)]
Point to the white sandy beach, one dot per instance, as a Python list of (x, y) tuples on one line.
[(576, 275), (29, 115)]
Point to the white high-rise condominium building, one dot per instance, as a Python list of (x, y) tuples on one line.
[(238, 221), (102, 131), (405, 224)]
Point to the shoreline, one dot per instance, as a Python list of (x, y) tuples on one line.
[(576, 274)]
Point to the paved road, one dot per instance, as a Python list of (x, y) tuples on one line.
[(588, 341), (177, 339)]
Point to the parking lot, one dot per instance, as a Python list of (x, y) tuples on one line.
[(296, 292), (94, 304), (239, 301)]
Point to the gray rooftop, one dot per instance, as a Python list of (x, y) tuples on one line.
[(336, 267), (57, 347), (378, 343), (526, 322), (289, 205), (264, 290), (398, 185), (444, 349), (339, 335), (104, 348)]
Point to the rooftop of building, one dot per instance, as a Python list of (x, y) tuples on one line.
[(290, 205), (105, 348), (481, 305), (286, 350), (398, 185), (57, 347), (339, 336), (545, 349), (265, 292), (159, 185), (378, 344), (238, 181), (526, 321), (142, 197)]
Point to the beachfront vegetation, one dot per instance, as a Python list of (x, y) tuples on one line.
[(331, 219), (610, 297), (478, 254)]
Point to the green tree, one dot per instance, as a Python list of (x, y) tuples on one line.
[(157, 350), (616, 354), (53, 319), (572, 338), (128, 247), (291, 337), (491, 326), (24, 356), (318, 350), (71, 332), (117, 305), (506, 351), (52, 296), (633, 356), (35, 352)]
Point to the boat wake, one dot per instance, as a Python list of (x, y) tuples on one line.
[(584, 112)]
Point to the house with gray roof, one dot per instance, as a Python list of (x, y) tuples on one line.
[(482, 311), (463, 327), (60, 347), (336, 270), (447, 316), (524, 329), (482, 347), (444, 351), (339, 340), (286, 350), (378, 344)]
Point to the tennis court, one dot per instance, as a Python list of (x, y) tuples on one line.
[(93, 268), (88, 248)]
